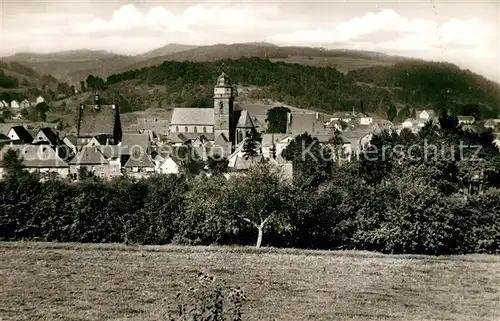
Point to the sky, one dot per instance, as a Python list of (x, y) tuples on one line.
[(463, 32)]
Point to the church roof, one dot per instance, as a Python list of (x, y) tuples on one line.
[(101, 121), (193, 116)]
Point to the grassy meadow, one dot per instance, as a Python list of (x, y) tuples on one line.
[(48, 281)]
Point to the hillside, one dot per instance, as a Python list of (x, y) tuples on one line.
[(166, 50), (408, 85), (263, 50), (73, 66), (18, 81)]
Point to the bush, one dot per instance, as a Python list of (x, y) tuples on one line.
[(209, 300)]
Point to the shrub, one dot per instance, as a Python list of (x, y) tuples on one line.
[(210, 300)]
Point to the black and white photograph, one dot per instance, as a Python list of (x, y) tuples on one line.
[(276, 160)]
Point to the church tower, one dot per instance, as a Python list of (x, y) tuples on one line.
[(223, 109)]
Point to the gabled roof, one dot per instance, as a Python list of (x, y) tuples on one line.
[(50, 135), (110, 151), (72, 139), (245, 120), (139, 159), (23, 134), (89, 155), (98, 121), (36, 156), (301, 122), (135, 141), (193, 116)]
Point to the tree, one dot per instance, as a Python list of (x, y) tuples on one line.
[(13, 163), (260, 198), (82, 86), (95, 83), (311, 161), (217, 165), (252, 144), (41, 109), (276, 119), (392, 112), (191, 162)]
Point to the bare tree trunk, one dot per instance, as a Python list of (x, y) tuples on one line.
[(259, 237)]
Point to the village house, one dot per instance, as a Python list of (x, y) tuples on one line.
[(19, 134), (425, 115), (167, 165), (98, 121), (139, 164), (40, 99), (466, 120), (14, 104), (94, 161), (24, 104), (38, 158)]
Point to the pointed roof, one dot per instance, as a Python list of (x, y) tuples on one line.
[(139, 159), (23, 134), (245, 120), (50, 135), (89, 155)]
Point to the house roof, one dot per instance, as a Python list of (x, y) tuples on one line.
[(134, 141), (23, 134), (72, 139), (110, 151), (89, 155), (36, 156), (302, 122), (245, 120), (466, 118), (50, 135), (139, 159), (98, 121), (193, 116)]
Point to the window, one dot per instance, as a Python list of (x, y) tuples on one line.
[(186, 129), (195, 129), (204, 129), (177, 129)]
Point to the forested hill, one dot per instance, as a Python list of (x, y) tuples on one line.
[(407, 85)]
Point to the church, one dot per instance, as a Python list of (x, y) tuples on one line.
[(220, 128)]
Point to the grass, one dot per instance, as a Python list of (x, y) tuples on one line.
[(48, 281)]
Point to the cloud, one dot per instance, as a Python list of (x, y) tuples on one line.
[(158, 19), (387, 30), (130, 29)]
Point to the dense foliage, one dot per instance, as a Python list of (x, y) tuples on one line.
[(435, 192), (410, 84)]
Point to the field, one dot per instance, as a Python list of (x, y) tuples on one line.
[(46, 281)]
